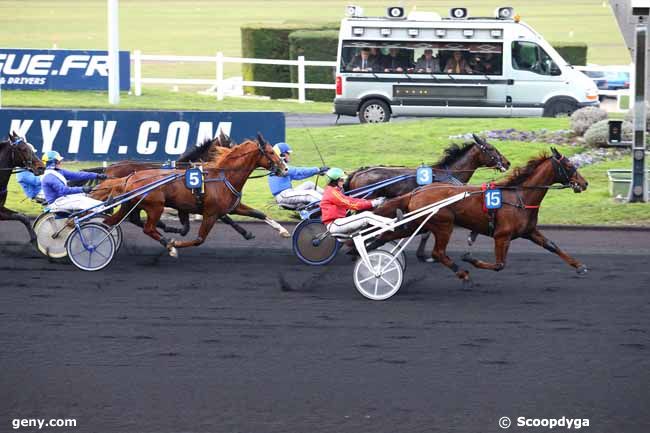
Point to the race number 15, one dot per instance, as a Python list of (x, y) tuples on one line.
[(493, 199)]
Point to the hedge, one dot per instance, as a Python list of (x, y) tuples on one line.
[(269, 41), (314, 45), (575, 53)]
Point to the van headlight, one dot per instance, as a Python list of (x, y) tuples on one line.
[(592, 94)]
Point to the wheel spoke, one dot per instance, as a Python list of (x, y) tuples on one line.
[(376, 285), (366, 279), (394, 286)]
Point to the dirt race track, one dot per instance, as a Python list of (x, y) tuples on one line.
[(237, 336)]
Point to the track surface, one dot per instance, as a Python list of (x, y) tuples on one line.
[(236, 336)]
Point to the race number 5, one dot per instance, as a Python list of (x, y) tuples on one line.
[(493, 199), (193, 178), (424, 175)]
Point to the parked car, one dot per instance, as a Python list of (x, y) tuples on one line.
[(617, 80), (598, 77)]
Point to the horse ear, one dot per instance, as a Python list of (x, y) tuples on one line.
[(478, 139), (556, 154), (260, 139)]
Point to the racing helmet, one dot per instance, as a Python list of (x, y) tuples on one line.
[(281, 148), (51, 157), (335, 173)]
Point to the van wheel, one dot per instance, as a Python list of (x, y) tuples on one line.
[(374, 111), (559, 108)]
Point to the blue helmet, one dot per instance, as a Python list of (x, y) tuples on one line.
[(281, 148), (51, 157)]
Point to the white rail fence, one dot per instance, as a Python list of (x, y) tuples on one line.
[(219, 82)]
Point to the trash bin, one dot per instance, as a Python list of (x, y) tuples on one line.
[(620, 180)]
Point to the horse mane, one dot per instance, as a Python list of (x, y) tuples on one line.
[(224, 152), (521, 174), (202, 152), (453, 153)]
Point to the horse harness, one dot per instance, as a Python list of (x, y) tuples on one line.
[(562, 173), (199, 193)]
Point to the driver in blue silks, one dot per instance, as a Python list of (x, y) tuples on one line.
[(58, 194), (284, 192), (31, 185)]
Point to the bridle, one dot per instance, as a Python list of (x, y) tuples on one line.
[(497, 162), (274, 167), (564, 174), (27, 163)]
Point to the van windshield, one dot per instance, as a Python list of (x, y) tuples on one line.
[(528, 56), (422, 57)]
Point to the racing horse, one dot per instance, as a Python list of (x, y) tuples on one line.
[(457, 167), (207, 151), (15, 151), (522, 195), (224, 180)]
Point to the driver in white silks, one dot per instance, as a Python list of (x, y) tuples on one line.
[(282, 189), (57, 193), (335, 206)]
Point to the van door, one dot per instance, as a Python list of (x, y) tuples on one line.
[(534, 76)]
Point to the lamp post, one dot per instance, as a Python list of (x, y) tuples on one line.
[(113, 53)]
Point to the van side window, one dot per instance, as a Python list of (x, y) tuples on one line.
[(528, 56)]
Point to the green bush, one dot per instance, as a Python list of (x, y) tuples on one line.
[(575, 53), (269, 41), (314, 45)]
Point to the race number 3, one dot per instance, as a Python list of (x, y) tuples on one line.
[(493, 199), (193, 178), (424, 175)]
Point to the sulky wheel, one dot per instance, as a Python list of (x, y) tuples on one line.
[(91, 247), (311, 245), (48, 241), (116, 232), (382, 280), (391, 247)]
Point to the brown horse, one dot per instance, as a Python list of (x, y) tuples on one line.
[(457, 166), (224, 180), (15, 152), (522, 194), (208, 151)]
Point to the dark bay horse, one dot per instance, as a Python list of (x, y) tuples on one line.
[(522, 194), (224, 180), (457, 166), (15, 152)]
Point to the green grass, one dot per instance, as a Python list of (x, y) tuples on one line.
[(203, 27), (154, 99), (412, 143)]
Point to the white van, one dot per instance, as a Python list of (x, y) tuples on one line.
[(425, 65)]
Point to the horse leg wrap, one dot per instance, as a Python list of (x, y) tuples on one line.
[(499, 266), (551, 246)]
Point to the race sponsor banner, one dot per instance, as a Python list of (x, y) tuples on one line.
[(113, 135), (28, 69)]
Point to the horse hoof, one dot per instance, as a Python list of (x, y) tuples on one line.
[(423, 259), (248, 236), (285, 234), (173, 252), (581, 270)]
